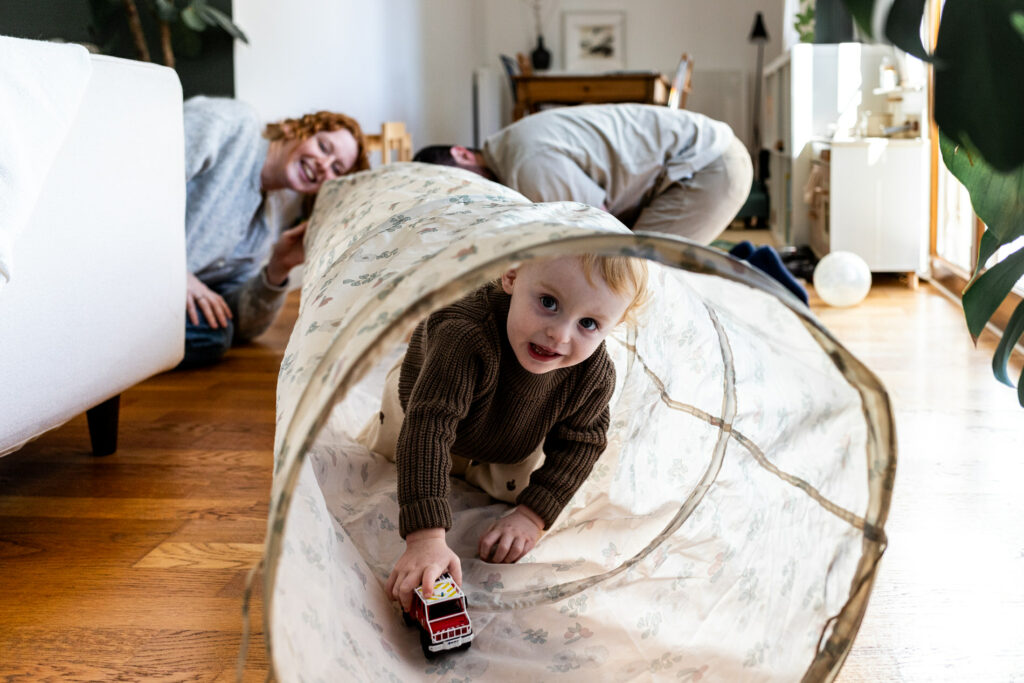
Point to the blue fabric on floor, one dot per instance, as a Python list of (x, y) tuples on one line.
[(743, 250), (767, 260)]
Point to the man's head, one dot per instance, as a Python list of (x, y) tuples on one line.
[(469, 158), (563, 308)]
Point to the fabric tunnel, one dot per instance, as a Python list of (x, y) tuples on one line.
[(730, 531)]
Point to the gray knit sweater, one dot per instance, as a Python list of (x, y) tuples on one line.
[(227, 237), (464, 393)]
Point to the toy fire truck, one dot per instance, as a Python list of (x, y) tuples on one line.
[(442, 618)]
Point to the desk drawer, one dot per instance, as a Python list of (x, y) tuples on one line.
[(571, 91)]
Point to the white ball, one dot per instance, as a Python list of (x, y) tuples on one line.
[(842, 279)]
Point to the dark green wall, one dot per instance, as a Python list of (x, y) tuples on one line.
[(211, 72)]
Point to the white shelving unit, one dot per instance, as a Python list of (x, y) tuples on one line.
[(811, 92)]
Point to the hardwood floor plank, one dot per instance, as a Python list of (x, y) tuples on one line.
[(138, 508), (202, 556), (188, 651), (181, 457), (69, 610), (95, 654)]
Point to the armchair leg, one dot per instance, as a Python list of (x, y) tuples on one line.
[(103, 426)]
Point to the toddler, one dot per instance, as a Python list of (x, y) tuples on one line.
[(509, 388)]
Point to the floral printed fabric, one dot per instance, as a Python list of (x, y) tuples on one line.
[(738, 508)]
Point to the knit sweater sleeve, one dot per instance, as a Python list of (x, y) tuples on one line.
[(224, 154), (256, 304), (574, 444), (456, 357)]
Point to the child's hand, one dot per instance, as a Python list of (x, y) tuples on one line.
[(512, 536), (426, 557)]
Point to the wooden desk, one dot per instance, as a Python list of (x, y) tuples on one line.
[(532, 91)]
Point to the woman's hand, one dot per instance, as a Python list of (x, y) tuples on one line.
[(512, 536), (426, 557), (199, 297), (287, 253)]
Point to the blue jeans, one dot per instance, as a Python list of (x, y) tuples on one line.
[(205, 345)]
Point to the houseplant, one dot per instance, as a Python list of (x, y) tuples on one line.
[(179, 23), (979, 67)]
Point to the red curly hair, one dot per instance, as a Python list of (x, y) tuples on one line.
[(310, 124)]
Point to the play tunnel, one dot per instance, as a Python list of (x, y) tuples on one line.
[(730, 532)]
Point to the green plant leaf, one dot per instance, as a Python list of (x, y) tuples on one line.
[(998, 198), (983, 295), (214, 17), (187, 43), (1014, 330), (987, 247), (862, 11), (903, 27), (166, 11), (978, 94), (191, 18)]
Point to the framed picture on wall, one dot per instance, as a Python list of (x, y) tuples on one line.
[(593, 41)]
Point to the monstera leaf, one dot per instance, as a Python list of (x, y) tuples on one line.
[(979, 100)]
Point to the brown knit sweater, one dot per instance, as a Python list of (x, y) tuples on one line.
[(464, 393)]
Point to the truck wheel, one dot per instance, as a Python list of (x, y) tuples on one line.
[(409, 621), (425, 644)]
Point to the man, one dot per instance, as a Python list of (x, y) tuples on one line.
[(653, 168)]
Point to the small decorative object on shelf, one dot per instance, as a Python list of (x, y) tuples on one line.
[(442, 618), (541, 56), (888, 77)]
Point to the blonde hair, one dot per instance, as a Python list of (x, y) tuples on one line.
[(311, 124), (624, 275)]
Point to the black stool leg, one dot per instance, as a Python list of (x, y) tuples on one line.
[(103, 426)]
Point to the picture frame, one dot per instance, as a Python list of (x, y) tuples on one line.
[(593, 42)]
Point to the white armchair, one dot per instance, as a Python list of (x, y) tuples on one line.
[(95, 301)]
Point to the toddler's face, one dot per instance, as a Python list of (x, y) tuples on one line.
[(557, 319)]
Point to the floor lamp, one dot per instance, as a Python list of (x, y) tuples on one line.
[(759, 35)]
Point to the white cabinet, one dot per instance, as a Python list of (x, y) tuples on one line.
[(811, 92), (878, 202)]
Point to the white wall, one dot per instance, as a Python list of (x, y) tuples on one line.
[(385, 60), (413, 60)]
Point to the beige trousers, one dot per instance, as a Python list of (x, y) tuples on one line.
[(503, 482), (702, 206)]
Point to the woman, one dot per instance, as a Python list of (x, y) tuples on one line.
[(231, 162)]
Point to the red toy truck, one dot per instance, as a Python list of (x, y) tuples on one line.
[(442, 618)]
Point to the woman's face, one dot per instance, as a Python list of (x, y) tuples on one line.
[(322, 156)]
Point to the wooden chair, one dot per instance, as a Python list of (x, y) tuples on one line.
[(681, 83), (393, 138)]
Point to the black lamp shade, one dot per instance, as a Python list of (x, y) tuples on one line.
[(758, 32)]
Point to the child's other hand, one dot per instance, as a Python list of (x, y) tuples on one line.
[(512, 536), (426, 557)]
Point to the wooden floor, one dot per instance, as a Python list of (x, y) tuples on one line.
[(132, 567)]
